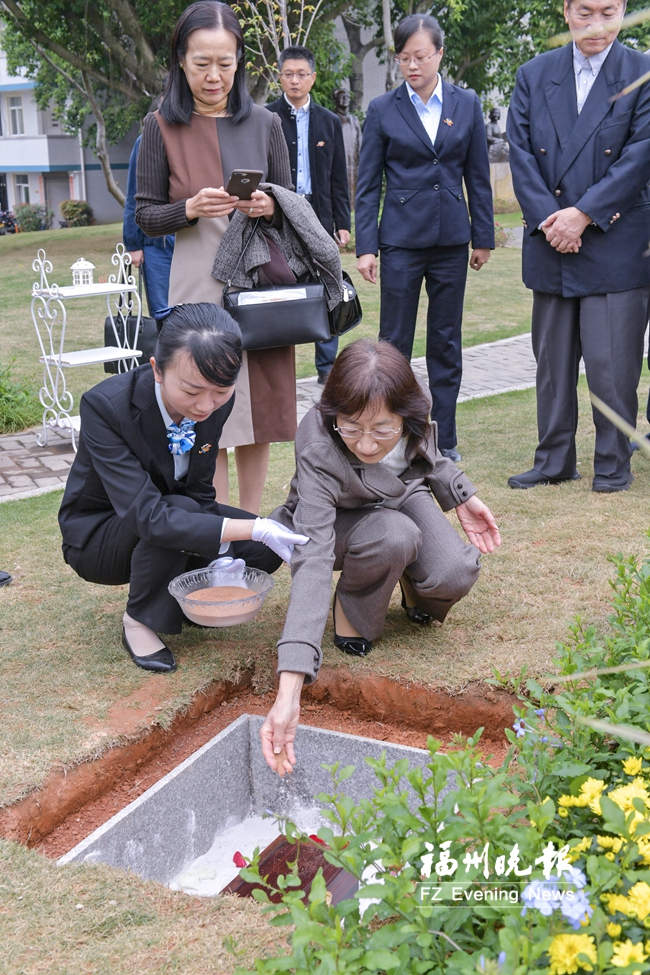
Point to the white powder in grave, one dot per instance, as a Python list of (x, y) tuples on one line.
[(214, 870)]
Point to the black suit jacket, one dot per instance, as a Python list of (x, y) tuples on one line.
[(330, 195), (123, 467), (598, 161), (424, 204)]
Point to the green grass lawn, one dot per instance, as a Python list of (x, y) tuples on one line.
[(508, 220), (497, 304)]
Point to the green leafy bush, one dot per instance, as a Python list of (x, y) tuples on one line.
[(501, 235), (33, 216), (19, 404), (76, 213), (563, 826)]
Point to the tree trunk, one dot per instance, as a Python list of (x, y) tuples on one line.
[(260, 90), (101, 149), (388, 44), (358, 52)]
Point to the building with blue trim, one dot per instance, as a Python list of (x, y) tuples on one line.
[(40, 163)]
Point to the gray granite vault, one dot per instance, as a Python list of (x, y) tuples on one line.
[(223, 783)]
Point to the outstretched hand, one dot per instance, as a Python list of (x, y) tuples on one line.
[(477, 521), (279, 730)]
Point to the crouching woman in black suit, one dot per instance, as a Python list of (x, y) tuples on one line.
[(139, 506)]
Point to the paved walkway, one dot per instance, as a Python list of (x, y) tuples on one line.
[(27, 470)]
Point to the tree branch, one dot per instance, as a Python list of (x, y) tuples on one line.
[(24, 25), (466, 65), (101, 150)]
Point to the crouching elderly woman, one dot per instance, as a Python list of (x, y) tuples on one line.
[(139, 506), (368, 491)]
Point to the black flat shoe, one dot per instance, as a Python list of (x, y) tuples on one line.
[(161, 662), (414, 614), (5, 578), (355, 646), (533, 478)]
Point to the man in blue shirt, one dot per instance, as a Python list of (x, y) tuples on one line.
[(317, 153)]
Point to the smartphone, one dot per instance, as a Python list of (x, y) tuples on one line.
[(244, 182)]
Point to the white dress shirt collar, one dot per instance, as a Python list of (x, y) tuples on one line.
[(437, 94), (303, 108), (593, 63)]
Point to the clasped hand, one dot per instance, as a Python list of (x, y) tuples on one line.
[(564, 229), (477, 521), (210, 202)]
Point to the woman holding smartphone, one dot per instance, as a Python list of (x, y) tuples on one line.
[(206, 129)]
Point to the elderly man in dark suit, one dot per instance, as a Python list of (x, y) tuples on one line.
[(580, 160), (428, 138), (317, 153)]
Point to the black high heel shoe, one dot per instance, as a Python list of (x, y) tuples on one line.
[(414, 614), (160, 662), (355, 646)]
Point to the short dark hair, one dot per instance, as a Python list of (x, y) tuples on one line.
[(297, 53), (178, 103), (367, 374), (210, 337), (412, 24)]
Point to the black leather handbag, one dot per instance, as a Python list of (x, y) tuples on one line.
[(147, 336), (292, 321)]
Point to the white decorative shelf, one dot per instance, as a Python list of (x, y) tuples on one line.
[(91, 357), (49, 317)]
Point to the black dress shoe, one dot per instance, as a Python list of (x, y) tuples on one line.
[(607, 485), (5, 578), (161, 662), (355, 646), (451, 453), (533, 478), (414, 614)]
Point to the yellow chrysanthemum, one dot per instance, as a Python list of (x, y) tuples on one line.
[(624, 795), (639, 899), (565, 949), (625, 952), (563, 812), (590, 792), (617, 903), (613, 843), (610, 856), (632, 766), (578, 848), (613, 930), (565, 801)]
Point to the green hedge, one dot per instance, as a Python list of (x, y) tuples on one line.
[(33, 216), (76, 213), (19, 404)]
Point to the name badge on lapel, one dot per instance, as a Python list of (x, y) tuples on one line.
[(204, 449)]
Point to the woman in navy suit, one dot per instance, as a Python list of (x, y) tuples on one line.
[(139, 506), (428, 138)]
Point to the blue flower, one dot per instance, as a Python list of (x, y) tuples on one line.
[(543, 895), (576, 909), (540, 712), (520, 728)]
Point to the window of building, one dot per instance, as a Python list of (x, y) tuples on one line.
[(21, 187), (16, 122)]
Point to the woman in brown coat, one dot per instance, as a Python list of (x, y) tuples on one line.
[(207, 127), (369, 492)]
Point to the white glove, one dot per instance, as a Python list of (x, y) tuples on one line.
[(278, 538), (234, 567)]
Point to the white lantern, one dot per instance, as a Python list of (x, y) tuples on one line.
[(82, 272)]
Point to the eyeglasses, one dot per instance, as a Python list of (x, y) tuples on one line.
[(300, 75), (354, 433), (402, 59)]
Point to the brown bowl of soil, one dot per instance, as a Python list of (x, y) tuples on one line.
[(213, 597)]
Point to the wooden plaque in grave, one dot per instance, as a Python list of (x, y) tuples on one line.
[(273, 864)]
